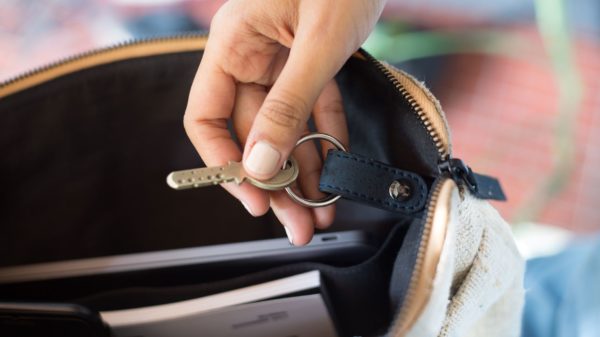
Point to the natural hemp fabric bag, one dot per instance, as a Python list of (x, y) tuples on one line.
[(87, 142)]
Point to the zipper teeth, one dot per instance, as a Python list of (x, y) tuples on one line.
[(413, 103), (410, 293), (388, 71), (93, 52)]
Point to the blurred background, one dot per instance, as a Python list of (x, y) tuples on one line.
[(518, 81)]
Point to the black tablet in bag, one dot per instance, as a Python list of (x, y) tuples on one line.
[(335, 248), (62, 319)]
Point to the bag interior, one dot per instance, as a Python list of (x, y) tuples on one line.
[(84, 162)]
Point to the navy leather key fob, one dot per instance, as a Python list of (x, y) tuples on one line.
[(369, 181)]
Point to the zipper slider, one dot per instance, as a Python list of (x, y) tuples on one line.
[(481, 186), (459, 172)]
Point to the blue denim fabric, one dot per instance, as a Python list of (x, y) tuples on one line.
[(563, 293)]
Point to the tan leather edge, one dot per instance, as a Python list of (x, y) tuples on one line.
[(135, 50), (359, 55), (430, 106), (431, 257)]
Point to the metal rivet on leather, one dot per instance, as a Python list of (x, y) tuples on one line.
[(399, 190)]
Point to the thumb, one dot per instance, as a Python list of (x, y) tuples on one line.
[(282, 117)]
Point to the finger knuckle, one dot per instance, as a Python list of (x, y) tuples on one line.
[(188, 122), (288, 114)]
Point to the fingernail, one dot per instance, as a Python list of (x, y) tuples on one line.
[(289, 235), (247, 207), (263, 159)]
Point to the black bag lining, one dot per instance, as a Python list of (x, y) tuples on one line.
[(73, 147), (358, 294)]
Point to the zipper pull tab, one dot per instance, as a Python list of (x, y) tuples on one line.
[(481, 186)]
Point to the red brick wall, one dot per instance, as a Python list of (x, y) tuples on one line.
[(503, 114)]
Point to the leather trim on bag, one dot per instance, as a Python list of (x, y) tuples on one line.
[(105, 56), (435, 235)]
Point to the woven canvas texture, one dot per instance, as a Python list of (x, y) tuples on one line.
[(478, 287)]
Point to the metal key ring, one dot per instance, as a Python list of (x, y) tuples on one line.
[(331, 198)]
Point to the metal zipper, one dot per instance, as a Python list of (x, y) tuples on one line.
[(435, 222), (127, 50), (430, 113), (428, 255), (423, 104)]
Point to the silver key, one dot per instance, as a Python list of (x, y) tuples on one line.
[(232, 172)]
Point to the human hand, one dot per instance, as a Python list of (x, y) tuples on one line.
[(266, 67)]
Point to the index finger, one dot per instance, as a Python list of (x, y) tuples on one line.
[(210, 106)]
